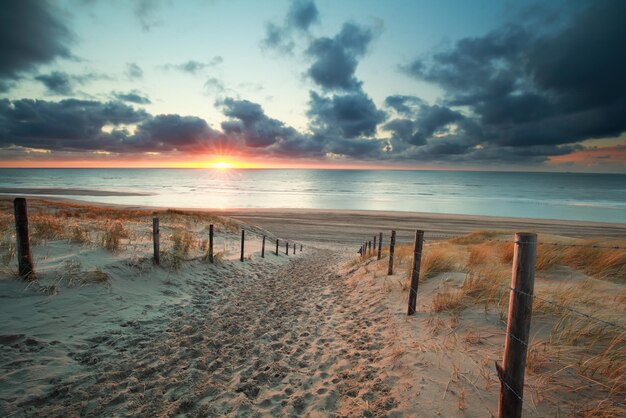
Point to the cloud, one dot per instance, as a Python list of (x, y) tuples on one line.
[(194, 67), (348, 116), (133, 96), (534, 88), (62, 84), (56, 82), (300, 16), (335, 59), (31, 34), (133, 71), (87, 126), (249, 122), (146, 11)]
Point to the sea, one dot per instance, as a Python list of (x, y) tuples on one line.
[(564, 196)]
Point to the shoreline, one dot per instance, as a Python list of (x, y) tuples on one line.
[(353, 226)]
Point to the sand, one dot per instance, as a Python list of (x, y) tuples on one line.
[(318, 333)]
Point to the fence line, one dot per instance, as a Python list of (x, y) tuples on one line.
[(511, 374)]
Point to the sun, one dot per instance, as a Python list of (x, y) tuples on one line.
[(222, 165)]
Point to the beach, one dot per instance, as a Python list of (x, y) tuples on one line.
[(320, 331)]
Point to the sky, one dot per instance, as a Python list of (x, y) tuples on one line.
[(487, 85)]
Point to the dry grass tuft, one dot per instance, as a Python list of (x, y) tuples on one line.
[(506, 251), (547, 257), (479, 254), (112, 235), (80, 235), (602, 263), (447, 300), (437, 260), (46, 227), (477, 237)]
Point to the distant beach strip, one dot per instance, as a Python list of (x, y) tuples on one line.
[(69, 192)]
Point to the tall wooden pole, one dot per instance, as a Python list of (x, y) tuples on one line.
[(24, 255), (243, 238), (415, 272), (263, 248), (392, 245), (380, 245), (156, 243), (211, 243), (511, 373), (277, 245)]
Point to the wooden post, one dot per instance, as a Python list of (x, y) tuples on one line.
[(511, 373), (156, 233), (277, 245), (263, 248), (380, 245), (294, 248), (287, 247), (415, 272), (392, 245), (374, 243), (24, 255), (369, 248), (300, 247), (211, 243), (243, 238)]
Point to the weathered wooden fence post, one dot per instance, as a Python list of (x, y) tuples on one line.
[(380, 245), (294, 248), (392, 246), (287, 247), (243, 237), (263, 248), (277, 245), (369, 247), (415, 272), (374, 243), (24, 255), (511, 373), (211, 243), (300, 247), (156, 232)]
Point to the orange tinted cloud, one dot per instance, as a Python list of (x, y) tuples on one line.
[(615, 155)]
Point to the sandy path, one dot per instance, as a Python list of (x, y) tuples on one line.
[(284, 340)]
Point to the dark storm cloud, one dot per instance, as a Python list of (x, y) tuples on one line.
[(133, 71), (133, 96), (61, 83), (249, 121), (194, 67), (86, 126), (31, 34), (56, 82), (348, 115), (335, 59), (300, 16), (66, 125), (534, 88)]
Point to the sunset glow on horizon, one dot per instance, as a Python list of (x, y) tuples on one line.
[(304, 84)]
